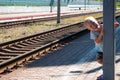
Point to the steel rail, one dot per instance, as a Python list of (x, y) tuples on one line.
[(31, 20), (16, 23), (15, 52)]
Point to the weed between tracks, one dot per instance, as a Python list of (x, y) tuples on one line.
[(19, 32)]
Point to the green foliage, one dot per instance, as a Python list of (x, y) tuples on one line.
[(56, 25), (118, 4), (98, 0), (44, 2)]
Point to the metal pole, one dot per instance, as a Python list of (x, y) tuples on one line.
[(100, 4), (51, 9), (85, 4), (108, 48), (11, 2), (51, 4), (58, 11)]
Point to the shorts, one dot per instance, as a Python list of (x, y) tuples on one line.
[(98, 49), (99, 55)]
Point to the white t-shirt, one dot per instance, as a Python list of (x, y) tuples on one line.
[(94, 35)]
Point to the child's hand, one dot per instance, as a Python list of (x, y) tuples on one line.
[(116, 24)]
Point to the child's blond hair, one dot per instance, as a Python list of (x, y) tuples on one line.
[(91, 19)]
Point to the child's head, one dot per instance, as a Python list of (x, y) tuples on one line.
[(91, 23)]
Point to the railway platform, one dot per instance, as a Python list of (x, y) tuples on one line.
[(73, 61)]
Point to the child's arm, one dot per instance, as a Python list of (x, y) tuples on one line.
[(99, 38)]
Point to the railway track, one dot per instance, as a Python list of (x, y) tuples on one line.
[(18, 51), (15, 52), (31, 20)]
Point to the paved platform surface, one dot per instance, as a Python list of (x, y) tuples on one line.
[(74, 61)]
